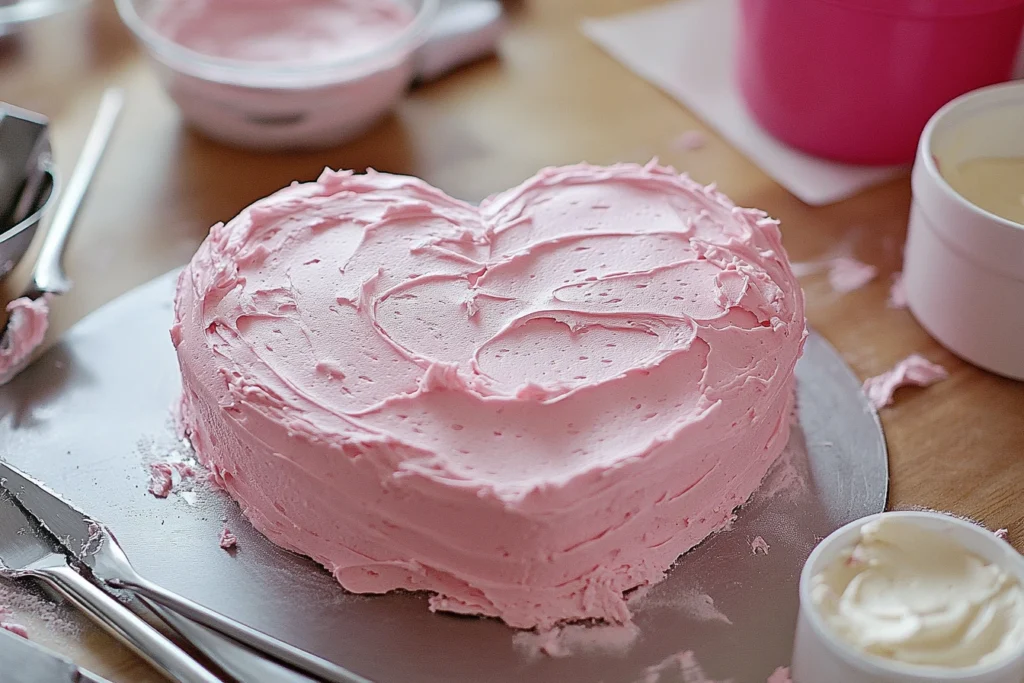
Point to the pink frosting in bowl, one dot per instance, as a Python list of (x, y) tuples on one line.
[(282, 74), (526, 408)]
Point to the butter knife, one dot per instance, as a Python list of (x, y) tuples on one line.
[(23, 661), (29, 552), (92, 544)]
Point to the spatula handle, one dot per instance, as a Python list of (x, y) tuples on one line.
[(126, 626), (48, 274), (237, 661), (250, 637)]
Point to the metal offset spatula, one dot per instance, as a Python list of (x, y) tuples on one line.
[(92, 544), (26, 552)]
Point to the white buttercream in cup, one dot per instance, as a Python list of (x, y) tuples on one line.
[(917, 596)]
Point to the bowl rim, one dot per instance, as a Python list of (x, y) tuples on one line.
[(244, 73), (1000, 94)]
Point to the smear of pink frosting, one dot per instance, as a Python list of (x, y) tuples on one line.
[(16, 629), (183, 469), (692, 601), (26, 327), (574, 639), (161, 479), (362, 355), (846, 274), (227, 539), (897, 292), (682, 666), (11, 626), (1004, 534), (161, 476), (914, 370), (780, 675), (759, 545), (690, 140)]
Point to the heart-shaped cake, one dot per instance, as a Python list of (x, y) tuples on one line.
[(526, 408)]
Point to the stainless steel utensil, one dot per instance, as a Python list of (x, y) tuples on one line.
[(95, 546), (14, 241), (48, 274), (27, 551), (239, 662), (23, 660), (24, 154)]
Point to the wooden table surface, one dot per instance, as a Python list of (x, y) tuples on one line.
[(551, 98)]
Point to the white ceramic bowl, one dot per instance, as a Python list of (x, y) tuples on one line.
[(268, 106), (819, 656), (964, 267)]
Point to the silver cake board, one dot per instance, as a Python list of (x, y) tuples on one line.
[(91, 413)]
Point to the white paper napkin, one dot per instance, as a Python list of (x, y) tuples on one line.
[(687, 48)]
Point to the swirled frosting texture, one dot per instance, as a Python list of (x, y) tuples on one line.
[(526, 408), (919, 597)]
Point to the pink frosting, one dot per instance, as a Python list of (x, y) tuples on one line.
[(759, 545), (161, 479), (681, 666), (846, 274), (527, 408), (780, 675), (296, 31), (913, 371), (227, 539), (690, 140), (897, 292), (575, 639), (26, 327), (16, 629)]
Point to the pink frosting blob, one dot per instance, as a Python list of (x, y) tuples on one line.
[(913, 371), (26, 328), (527, 408)]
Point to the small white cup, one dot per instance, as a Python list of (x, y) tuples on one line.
[(820, 656), (964, 267)]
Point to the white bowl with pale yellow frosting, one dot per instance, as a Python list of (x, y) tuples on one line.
[(964, 261), (910, 597)]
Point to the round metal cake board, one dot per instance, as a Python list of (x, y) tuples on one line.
[(90, 414)]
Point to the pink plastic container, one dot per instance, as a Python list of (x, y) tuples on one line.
[(857, 80)]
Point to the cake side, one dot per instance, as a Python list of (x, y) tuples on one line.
[(526, 409)]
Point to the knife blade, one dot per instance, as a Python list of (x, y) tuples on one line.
[(23, 661), (65, 522), (28, 551), (96, 547)]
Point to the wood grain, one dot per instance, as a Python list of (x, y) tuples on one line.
[(551, 98)]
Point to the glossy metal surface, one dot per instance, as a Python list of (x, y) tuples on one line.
[(90, 414), (23, 660), (27, 551), (95, 546)]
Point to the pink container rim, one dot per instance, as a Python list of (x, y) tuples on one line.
[(926, 9)]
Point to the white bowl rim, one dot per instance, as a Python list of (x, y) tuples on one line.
[(287, 76), (878, 666)]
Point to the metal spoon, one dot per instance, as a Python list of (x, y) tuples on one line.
[(48, 277)]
